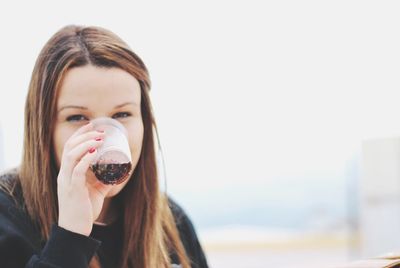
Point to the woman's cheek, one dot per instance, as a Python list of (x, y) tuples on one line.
[(61, 136), (135, 131), (57, 146), (136, 146)]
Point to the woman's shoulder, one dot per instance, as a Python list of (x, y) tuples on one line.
[(12, 207), (10, 190), (182, 220), (9, 183), (15, 223), (177, 211), (188, 235)]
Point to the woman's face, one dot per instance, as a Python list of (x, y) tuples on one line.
[(90, 92)]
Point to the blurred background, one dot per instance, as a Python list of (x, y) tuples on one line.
[(278, 119)]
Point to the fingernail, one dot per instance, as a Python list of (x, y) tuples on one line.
[(91, 150), (98, 139)]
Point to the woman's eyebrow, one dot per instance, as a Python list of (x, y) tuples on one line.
[(72, 107), (85, 108), (126, 103)]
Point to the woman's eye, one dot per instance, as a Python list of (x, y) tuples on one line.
[(76, 117), (121, 115)]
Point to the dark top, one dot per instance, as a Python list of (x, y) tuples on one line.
[(21, 245)]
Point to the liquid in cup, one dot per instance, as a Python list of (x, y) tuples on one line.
[(113, 163)]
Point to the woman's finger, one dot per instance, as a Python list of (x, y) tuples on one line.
[(71, 158), (79, 172), (83, 129), (76, 140)]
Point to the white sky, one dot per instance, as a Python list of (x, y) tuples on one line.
[(245, 92)]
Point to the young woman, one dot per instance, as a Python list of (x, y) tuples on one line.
[(53, 210)]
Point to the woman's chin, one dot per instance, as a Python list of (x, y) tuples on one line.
[(116, 189)]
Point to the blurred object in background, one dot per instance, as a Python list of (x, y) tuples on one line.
[(390, 260), (306, 221), (1, 150), (380, 197)]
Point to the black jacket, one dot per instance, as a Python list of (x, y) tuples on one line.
[(21, 244)]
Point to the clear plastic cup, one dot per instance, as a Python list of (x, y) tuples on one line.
[(113, 163)]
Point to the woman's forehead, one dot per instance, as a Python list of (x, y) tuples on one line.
[(89, 85)]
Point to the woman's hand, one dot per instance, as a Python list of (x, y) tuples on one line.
[(80, 198)]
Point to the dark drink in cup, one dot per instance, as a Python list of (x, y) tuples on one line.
[(111, 173), (113, 164)]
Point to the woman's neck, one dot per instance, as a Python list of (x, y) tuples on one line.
[(109, 212)]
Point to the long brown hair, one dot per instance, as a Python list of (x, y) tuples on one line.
[(150, 233)]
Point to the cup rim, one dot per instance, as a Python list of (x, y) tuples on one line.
[(108, 121)]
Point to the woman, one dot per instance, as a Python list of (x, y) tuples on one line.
[(53, 210)]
